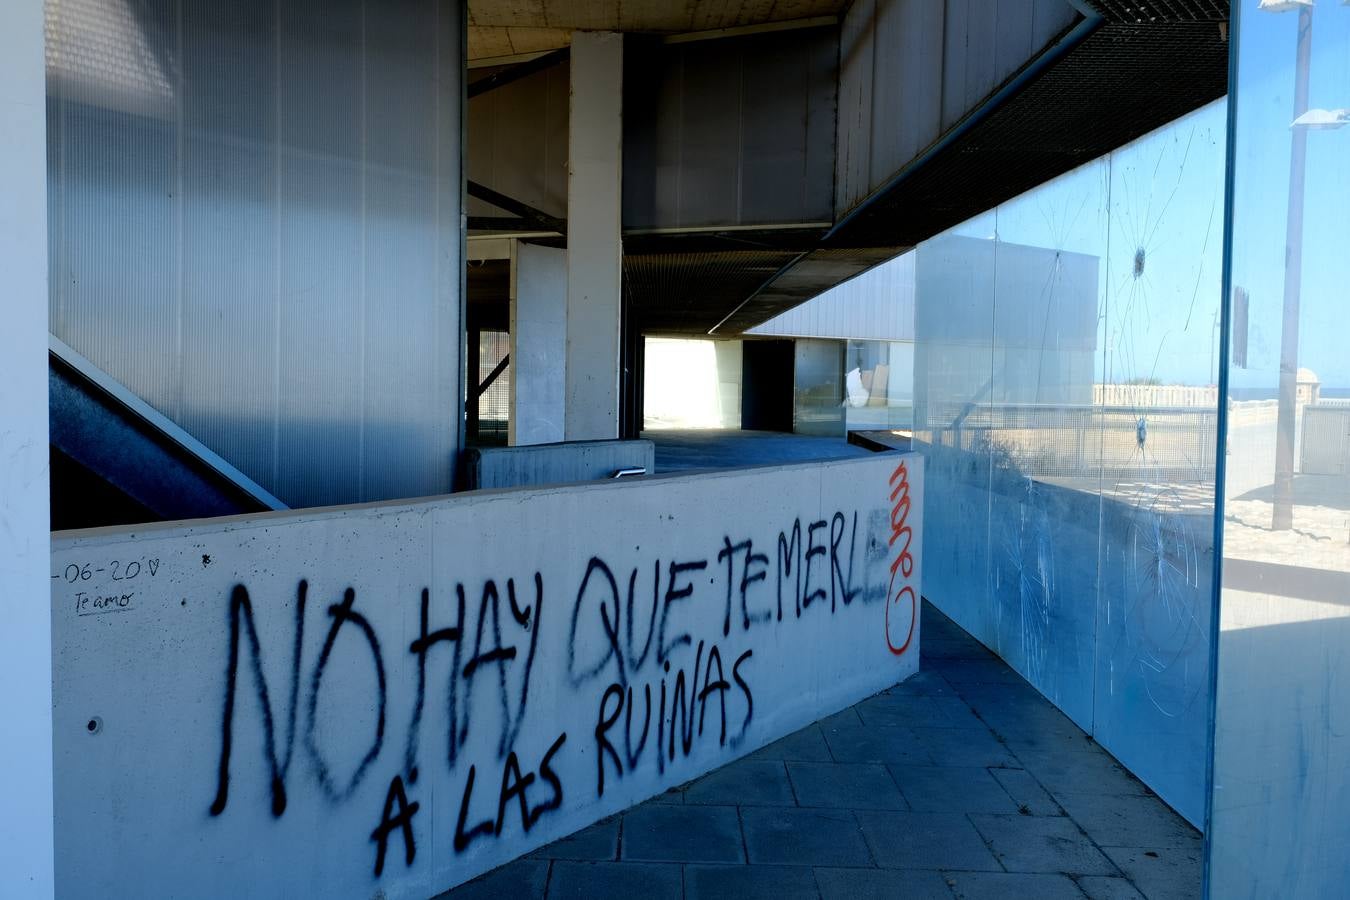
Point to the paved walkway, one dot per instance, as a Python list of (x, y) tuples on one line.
[(962, 782), (722, 449)]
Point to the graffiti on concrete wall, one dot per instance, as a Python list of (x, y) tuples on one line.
[(352, 670)]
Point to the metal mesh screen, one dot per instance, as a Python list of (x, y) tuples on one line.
[(494, 404)]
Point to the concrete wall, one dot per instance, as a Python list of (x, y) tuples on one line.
[(388, 700), (538, 343), (563, 463), (25, 640), (730, 365), (594, 246)]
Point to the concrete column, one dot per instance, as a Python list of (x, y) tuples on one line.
[(538, 344), (594, 247), (26, 867)]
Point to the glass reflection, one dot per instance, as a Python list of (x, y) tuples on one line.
[(1065, 359), (1281, 779)]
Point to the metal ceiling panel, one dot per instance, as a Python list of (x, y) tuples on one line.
[(731, 132)]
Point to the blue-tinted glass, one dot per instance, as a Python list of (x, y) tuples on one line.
[(1281, 780)]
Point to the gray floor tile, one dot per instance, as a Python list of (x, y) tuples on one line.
[(1042, 844), (982, 671), (845, 786), (953, 648), (1027, 793), (881, 744), (982, 771), (932, 710), (749, 883), (1104, 887), (1041, 741), (590, 880), (882, 884), (1002, 696), (686, 833), (804, 837), (952, 789), (523, 878), (807, 745), (899, 709), (924, 684), (955, 712), (1032, 727), (964, 747), (1096, 773), (1161, 874), (845, 718), (746, 782), (598, 842), (1129, 821), (910, 840), (1002, 885), (669, 795)]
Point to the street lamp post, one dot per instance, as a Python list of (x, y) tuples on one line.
[(1283, 516)]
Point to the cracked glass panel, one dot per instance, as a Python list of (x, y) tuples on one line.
[(1065, 367)]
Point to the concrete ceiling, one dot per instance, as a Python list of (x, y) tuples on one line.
[(504, 28)]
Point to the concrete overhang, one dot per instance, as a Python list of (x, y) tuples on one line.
[(1121, 70)]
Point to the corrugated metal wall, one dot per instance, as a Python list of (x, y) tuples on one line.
[(877, 305), (517, 141), (911, 69), (736, 131), (255, 226)]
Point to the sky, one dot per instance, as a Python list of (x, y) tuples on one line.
[(1264, 96)]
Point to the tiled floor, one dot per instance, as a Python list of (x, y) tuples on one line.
[(961, 782)]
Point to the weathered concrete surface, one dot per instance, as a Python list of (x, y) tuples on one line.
[(594, 240), (387, 700), (538, 343), (562, 463)]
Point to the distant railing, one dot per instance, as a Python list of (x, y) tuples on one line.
[(1076, 442), (1154, 395)]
